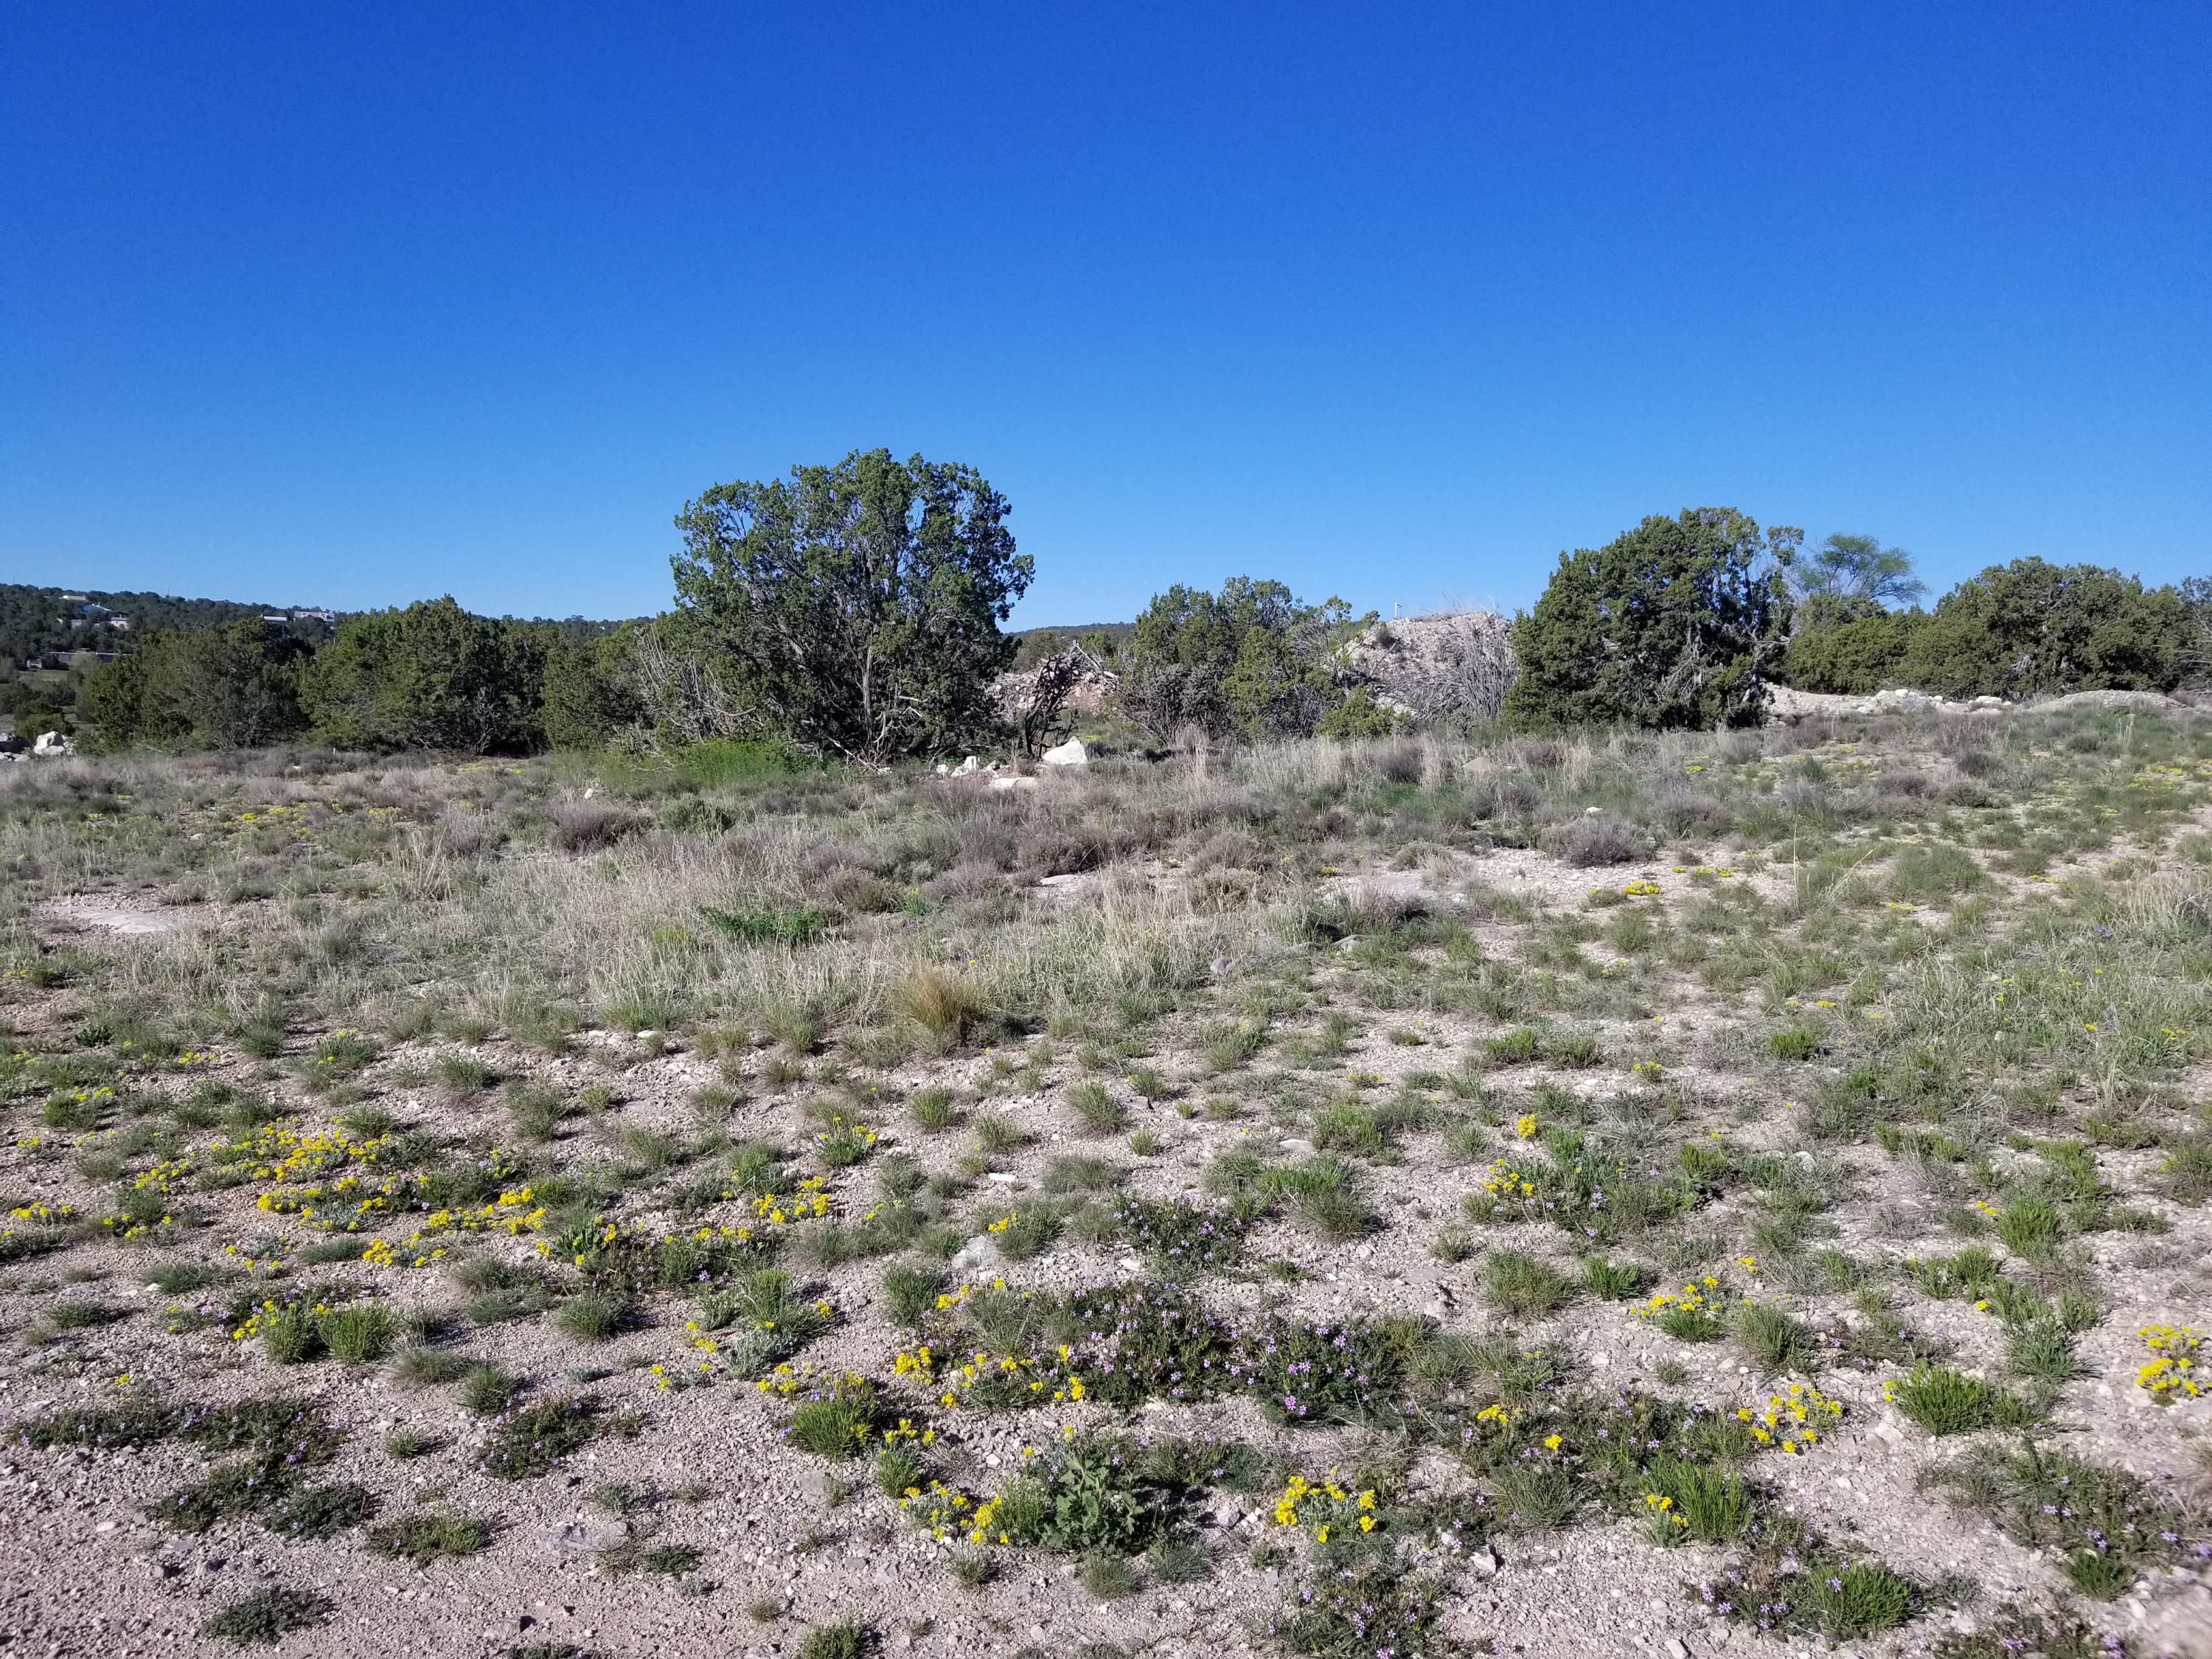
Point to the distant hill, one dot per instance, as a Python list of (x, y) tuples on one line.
[(41, 628), (36, 622)]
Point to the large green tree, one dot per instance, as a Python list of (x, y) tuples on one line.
[(1249, 661), (2196, 597), (1678, 622), (855, 608), (429, 677), (235, 686), (1855, 655), (2033, 628), (1857, 570), (591, 693)]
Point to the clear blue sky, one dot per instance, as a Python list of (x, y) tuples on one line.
[(360, 303)]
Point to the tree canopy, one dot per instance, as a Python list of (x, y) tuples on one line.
[(432, 675), (235, 686), (2032, 628), (855, 608), (1248, 661), (1857, 570), (1677, 622)]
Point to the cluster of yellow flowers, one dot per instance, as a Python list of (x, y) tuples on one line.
[(514, 1213), (992, 1382), (1691, 1312), (944, 1510), (278, 1153), (1643, 888), (786, 1379), (37, 1214), (131, 1228), (1792, 1419), (841, 1127), (948, 1300), (273, 1262), (280, 814), (907, 1432), (713, 1359), (255, 1320), (2173, 1371), (1323, 1505), (161, 1176), (321, 1171), (352, 1195), (809, 1203), (380, 1253), (1662, 1510), (1503, 1188)]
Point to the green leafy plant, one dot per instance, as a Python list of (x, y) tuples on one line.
[(1614, 1281), (529, 1441), (838, 1420), (1687, 1502), (267, 1616), (1521, 1284), (1945, 1401), (1357, 1613), (786, 924), (1098, 1111), (848, 1639), (358, 1332), (427, 1534)]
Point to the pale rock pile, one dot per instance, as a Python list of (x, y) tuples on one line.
[(1787, 703), (1448, 665)]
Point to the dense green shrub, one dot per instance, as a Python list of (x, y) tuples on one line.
[(856, 607), (1851, 657), (235, 686), (1249, 661), (429, 677), (2031, 628), (1679, 623), (590, 694)]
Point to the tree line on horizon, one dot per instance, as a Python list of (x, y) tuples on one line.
[(856, 612)]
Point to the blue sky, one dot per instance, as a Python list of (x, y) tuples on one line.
[(355, 304)]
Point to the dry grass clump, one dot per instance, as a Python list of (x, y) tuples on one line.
[(1600, 838), (585, 826), (946, 1007)]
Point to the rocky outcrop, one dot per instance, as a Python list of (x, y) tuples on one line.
[(1449, 666), (1786, 702), (1073, 678)]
